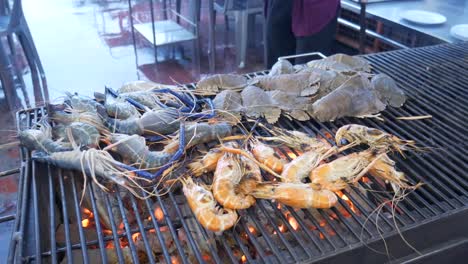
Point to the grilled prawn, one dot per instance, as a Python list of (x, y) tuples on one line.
[(227, 176), (203, 205), (337, 174), (298, 195), (354, 134)]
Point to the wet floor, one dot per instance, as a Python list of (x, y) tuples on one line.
[(85, 45)]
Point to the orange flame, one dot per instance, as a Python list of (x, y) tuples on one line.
[(291, 154), (88, 212), (244, 259), (158, 213), (348, 201), (282, 228), (175, 260), (293, 222), (135, 236), (321, 235), (365, 179), (85, 223)]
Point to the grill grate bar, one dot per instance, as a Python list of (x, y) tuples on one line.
[(265, 235), (444, 168), (98, 224), (133, 251), (65, 214), (253, 240), (162, 241), (36, 214), (142, 229), (278, 231), (411, 203), (170, 225), (434, 80), (84, 249), (425, 107), (53, 243), (187, 231), (114, 232)]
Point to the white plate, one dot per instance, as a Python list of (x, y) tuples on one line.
[(460, 31), (423, 17)]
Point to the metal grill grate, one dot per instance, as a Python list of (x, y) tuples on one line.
[(435, 81)]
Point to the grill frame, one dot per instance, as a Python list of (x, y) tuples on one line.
[(445, 197)]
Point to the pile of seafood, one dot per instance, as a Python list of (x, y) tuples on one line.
[(143, 136), (327, 89)]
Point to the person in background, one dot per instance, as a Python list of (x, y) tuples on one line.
[(299, 26)]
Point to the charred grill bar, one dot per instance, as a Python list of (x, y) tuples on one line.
[(435, 80)]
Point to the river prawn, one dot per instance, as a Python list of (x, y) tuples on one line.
[(203, 205), (36, 139), (297, 195), (119, 108), (154, 122), (198, 133), (227, 176), (81, 103), (133, 150), (339, 173), (69, 115), (82, 134), (353, 135), (94, 163)]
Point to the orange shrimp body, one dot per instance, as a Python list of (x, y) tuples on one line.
[(227, 176), (203, 205), (298, 195), (300, 168), (252, 176), (336, 175), (384, 168), (206, 164), (268, 157), (357, 134)]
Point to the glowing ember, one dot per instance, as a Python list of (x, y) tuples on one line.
[(321, 235), (292, 221), (348, 201), (365, 179), (110, 245), (291, 154), (85, 223), (135, 237), (107, 232), (278, 206), (158, 213), (174, 260), (88, 212), (282, 228), (206, 258), (244, 259)]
